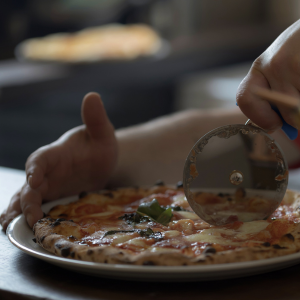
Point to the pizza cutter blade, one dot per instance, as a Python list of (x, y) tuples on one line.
[(235, 173)]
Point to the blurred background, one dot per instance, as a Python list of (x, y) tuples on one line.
[(210, 47)]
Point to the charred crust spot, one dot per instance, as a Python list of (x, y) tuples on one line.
[(121, 253), (34, 240), (72, 237), (58, 245), (266, 244), (65, 251), (148, 263), (105, 261), (210, 250), (184, 264), (109, 194), (72, 254), (44, 215), (220, 195), (290, 236), (60, 220), (42, 238), (159, 183), (276, 246), (89, 252), (179, 185), (56, 223), (79, 256), (82, 194)]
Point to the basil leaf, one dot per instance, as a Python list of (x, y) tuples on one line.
[(165, 217), (151, 209), (156, 212)]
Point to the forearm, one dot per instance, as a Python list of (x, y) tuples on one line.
[(158, 149)]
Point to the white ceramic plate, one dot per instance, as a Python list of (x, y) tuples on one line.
[(21, 236)]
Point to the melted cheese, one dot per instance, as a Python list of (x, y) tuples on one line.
[(208, 237), (250, 228), (188, 215)]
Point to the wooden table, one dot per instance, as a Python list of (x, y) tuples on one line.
[(26, 277)]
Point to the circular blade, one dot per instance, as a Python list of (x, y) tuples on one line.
[(235, 173)]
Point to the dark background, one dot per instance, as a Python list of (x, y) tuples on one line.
[(40, 101)]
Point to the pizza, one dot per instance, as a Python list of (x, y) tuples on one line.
[(107, 42), (156, 226)]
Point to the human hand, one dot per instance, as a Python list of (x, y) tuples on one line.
[(276, 69), (83, 159)]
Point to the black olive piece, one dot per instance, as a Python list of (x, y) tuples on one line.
[(34, 240), (210, 250), (65, 251), (179, 184), (290, 236), (266, 244), (89, 252), (82, 194), (276, 246), (159, 183), (42, 238)]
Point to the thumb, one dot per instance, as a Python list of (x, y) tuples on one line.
[(95, 118)]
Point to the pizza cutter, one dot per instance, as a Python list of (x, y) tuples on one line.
[(235, 173)]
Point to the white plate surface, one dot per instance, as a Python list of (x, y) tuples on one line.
[(21, 236)]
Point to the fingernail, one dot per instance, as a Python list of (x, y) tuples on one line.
[(29, 180), (30, 220)]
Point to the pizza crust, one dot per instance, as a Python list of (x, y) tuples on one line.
[(59, 236)]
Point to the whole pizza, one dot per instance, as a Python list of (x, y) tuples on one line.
[(156, 226)]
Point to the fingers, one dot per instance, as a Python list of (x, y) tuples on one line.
[(30, 203), (40, 163), (95, 118), (255, 108), (13, 210)]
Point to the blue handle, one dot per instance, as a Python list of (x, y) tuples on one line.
[(289, 130)]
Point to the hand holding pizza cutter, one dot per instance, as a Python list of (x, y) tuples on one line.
[(238, 172)]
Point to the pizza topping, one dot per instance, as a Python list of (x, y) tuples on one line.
[(156, 212), (210, 250), (163, 222), (290, 236)]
